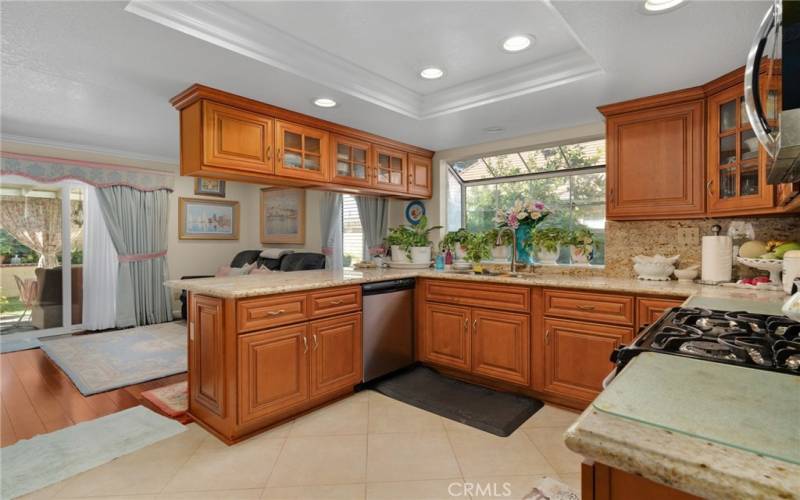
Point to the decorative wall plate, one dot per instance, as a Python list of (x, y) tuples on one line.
[(414, 212)]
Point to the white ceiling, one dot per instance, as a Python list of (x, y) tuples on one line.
[(96, 75)]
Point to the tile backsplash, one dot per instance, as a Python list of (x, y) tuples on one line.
[(628, 239)]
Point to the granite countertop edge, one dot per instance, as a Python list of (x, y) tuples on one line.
[(687, 463)]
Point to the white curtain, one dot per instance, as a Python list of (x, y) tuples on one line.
[(374, 215), (99, 269), (330, 218)]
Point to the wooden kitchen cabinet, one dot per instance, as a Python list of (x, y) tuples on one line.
[(577, 356), (648, 310), (273, 371), (335, 354), (420, 175), (302, 152), (207, 367), (601, 482), (501, 346), (445, 336), (390, 169), (655, 157), (237, 139), (350, 160)]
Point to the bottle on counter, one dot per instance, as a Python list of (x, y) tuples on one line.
[(439, 264)]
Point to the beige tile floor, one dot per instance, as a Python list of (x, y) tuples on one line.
[(365, 446)]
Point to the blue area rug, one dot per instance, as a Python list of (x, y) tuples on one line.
[(46, 459), (99, 362), (14, 345)]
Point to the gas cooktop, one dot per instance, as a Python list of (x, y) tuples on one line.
[(735, 337)]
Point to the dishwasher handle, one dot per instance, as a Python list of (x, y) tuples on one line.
[(390, 286)]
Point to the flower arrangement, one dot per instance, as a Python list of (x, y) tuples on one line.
[(581, 242), (522, 214)]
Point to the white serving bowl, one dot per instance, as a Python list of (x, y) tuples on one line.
[(656, 267)]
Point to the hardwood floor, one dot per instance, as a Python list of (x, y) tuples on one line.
[(37, 397)]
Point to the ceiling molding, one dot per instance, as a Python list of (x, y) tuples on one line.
[(223, 25)]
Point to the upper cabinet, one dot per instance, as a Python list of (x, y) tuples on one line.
[(226, 136), (691, 153), (655, 158), (236, 139), (302, 152)]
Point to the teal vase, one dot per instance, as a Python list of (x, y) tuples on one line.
[(523, 256)]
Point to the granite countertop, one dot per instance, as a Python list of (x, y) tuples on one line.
[(267, 284), (645, 429)]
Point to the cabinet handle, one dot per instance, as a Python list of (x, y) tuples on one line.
[(585, 307), (475, 327), (315, 341), (269, 148), (708, 187), (611, 196), (466, 325), (336, 302), (547, 337), (305, 344), (191, 331), (276, 313), (278, 155)]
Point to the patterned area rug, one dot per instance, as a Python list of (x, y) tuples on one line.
[(99, 362), (171, 399)]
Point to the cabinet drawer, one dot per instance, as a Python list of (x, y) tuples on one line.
[(589, 306), (335, 301), (649, 310), (265, 312), (508, 298)]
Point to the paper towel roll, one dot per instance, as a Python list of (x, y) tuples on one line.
[(717, 258)]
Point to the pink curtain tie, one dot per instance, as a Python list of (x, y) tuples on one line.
[(327, 250), (138, 257)]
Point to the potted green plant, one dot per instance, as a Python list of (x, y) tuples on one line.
[(501, 243), (581, 244), (547, 243), (478, 246), (454, 241), (411, 244)]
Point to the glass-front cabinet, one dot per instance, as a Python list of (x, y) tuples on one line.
[(302, 152), (736, 177), (391, 168), (350, 161)]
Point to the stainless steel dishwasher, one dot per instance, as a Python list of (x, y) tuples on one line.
[(388, 336)]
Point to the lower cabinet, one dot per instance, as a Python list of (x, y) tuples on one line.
[(483, 342), (601, 482), (273, 371), (207, 357), (649, 310), (335, 354), (577, 356)]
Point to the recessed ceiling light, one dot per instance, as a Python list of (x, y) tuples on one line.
[(517, 43), (494, 130), (661, 6), (431, 73), (324, 102)]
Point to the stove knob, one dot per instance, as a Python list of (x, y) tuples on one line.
[(615, 354)]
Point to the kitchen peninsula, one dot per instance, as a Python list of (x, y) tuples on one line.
[(264, 348)]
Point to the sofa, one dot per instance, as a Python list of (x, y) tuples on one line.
[(296, 261)]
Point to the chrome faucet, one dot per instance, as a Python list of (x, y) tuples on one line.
[(513, 246)]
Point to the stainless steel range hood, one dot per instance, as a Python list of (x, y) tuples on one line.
[(779, 33)]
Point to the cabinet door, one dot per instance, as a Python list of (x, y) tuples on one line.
[(649, 310), (335, 354), (655, 163), (736, 162), (577, 356), (302, 152), (273, 371), (420, 176), (445, 336), (350, 160), (237, 139), (390, 169), (501, 346), (207, 356)]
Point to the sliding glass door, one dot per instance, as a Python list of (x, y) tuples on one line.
[(42, 249)]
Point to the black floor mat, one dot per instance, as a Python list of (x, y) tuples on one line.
[(499, 413)]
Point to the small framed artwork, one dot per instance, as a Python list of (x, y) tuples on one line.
[(283, 216), (209, 187), (200, 219)]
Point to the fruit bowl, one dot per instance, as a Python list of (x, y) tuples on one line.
[(774, 267)]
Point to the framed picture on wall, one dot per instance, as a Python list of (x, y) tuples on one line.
[(200, 219), (283, 216), (209, 187)]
